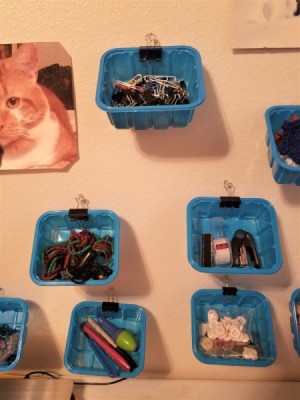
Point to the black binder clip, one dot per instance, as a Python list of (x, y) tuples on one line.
[(110, 305), (229, 201), (229, 291), (151, 52), (81, 212), (242, 246)]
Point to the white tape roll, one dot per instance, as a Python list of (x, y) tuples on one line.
[(222, 251)]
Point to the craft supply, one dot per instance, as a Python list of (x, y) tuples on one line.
[(221, 251), (104, 359), (9, 339), (288, 140), (149, 90), (249, 353), (97, 328), (298, 315), (84, 256), (226, 337), (119, 360), (122, 337), (206, 249), (206, 343), (242, 246)]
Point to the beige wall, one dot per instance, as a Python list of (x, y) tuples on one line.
[(149, 177)]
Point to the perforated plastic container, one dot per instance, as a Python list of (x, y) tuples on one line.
[(244, 303), (56, 226), (123, 64), (295, 299), (254, 215), (282, 172), (79, 357), (14, 314)]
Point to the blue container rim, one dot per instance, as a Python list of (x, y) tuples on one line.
[(91, 282), (138, 109), (142, 344), (22, 338), (229, 361), (236, 271), (296, 333), (275, 153)]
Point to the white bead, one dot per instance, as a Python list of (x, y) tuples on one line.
[(213, 323), (245, 337), (212, 315), (211, 334), (234, 332), (236, 322), (226, 324), (219, 330), (249, 353), (206, 343)]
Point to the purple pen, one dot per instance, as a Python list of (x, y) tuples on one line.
[(122, 337)]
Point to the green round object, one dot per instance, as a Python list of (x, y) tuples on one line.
[(126, 341)]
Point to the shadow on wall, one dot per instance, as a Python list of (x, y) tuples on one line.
[(281, 337), (40, 350), (156, 357), (132, 279), (205, 136), (291, 194)]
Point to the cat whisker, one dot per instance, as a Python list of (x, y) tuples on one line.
[(24, 134)]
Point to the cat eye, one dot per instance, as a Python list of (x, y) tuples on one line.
[(13, 102)]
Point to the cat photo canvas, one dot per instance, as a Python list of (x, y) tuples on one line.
[(37, 112)]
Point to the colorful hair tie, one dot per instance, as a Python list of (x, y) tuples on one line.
[(82, 257)]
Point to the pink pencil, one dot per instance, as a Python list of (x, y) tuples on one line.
[(107, 347)]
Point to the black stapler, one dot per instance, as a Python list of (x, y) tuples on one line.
[(242, 245)]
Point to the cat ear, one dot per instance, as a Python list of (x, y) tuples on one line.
[(25, 59)]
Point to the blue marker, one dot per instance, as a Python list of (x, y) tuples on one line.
[(104, 359)]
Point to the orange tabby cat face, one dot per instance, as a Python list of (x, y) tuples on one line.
[(22, 102)]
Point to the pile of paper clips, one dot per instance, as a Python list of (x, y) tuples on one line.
[(149, 90)]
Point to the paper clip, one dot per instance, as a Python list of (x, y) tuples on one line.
[(151, 40), (229, 187), (81, 212), (136, 79), (82, 202)]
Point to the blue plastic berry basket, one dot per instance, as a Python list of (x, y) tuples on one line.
[(14, 314), (123, 64), (79, 358), (55, 226), (254, 215), (244, 303), (282, 172), (295, 299)]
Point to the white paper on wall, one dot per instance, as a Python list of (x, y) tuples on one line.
[(266, 24)]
